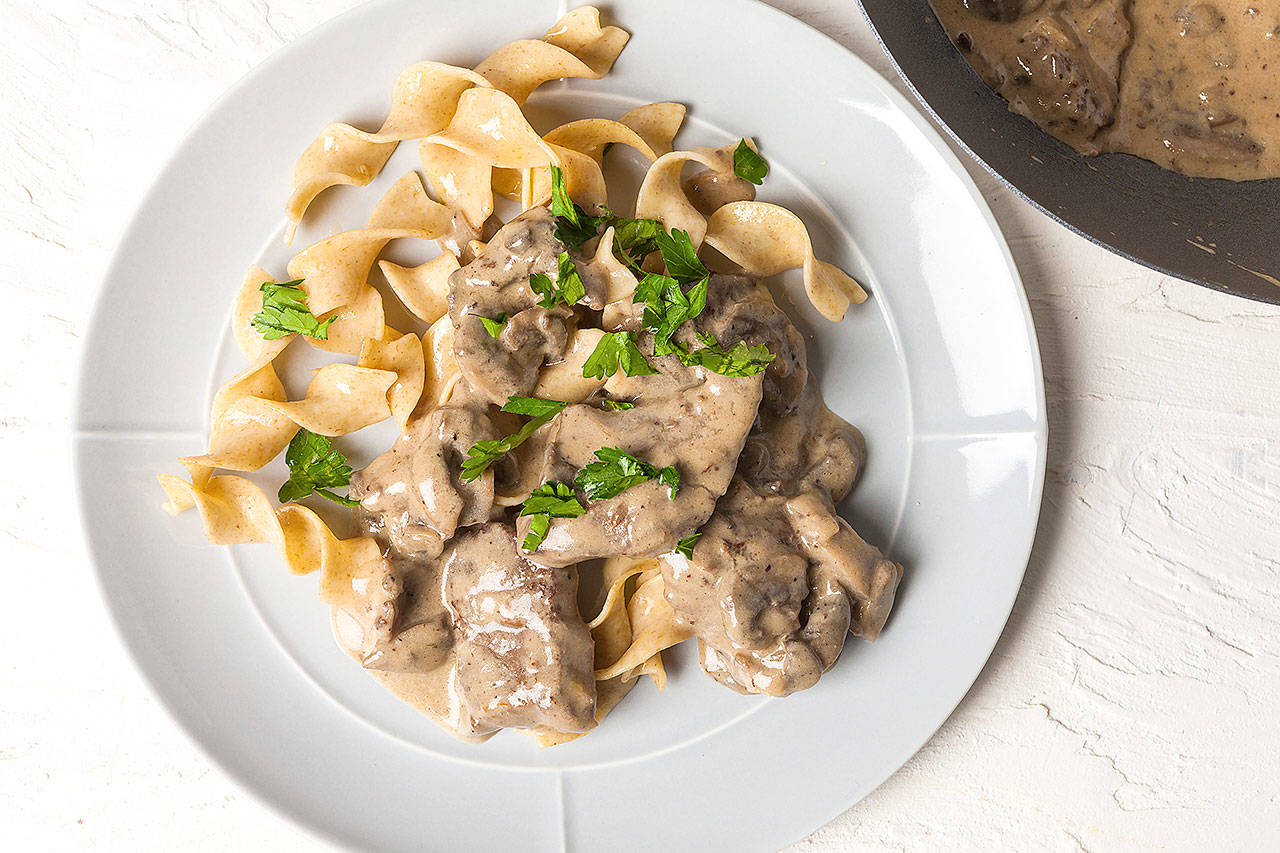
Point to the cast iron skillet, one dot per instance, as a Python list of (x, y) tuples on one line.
[(1221, 234)]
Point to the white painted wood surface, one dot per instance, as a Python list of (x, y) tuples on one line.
[(1132, 703)]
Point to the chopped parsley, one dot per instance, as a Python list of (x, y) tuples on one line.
[(315, 467), (567, 288), (550, 500), (483, 454), (738, 360), (615, 471), (617, 350), (534, 407), (574, 226), (493, 325), (749, 165), (667, 307), (680, 256), (635, 239), (685, 545), (617, 405), (285, 312)]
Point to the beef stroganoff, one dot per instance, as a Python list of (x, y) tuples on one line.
[(588, 394)]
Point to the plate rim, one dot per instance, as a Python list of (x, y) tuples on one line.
[(239, 778)]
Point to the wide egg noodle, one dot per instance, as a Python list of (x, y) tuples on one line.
[(252, 422), (489, 126), (657, 124), (423, 289), (654, 627), (352, 323), (575, 46), (403, 356), (662, 197), (248, 303), (563, 380), (459, 180), (422, 103), (442, 372), (341, 399), (235, 512), (245, 431), (765, 239), (335, 271)]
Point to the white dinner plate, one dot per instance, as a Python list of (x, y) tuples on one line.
[(939, 369)]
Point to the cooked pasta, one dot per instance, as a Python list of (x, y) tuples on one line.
[(474, 142)]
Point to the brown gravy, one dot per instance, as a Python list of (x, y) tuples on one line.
[(1191, 86)]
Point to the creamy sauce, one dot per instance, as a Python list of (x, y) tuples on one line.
[(1192, 86), (481, 635)]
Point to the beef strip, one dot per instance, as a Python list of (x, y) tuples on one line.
[(496, 283), (412, 497), (777, 578), (524, 655), (688, 417)]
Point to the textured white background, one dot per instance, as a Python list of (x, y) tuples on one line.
[(1132, 703)]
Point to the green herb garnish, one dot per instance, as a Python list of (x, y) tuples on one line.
[(617, 349), (618, 405), (739, 360), (285, 312), (567, 288), (534, 407), (615, 471), (574, 226), (493, 325), (315, 467), (749, 165), (667, 307), (483, 454), (680, 256), (635, 239), (550, 500), (685, 545)]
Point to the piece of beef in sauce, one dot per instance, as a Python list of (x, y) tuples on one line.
[(684, 416), (1057, 62), (524, 655), (496, 284), (412, 497), (777, 578)]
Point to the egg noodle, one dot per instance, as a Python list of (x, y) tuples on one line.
[(474, 142)]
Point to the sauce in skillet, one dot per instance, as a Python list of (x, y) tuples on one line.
[(1191, 86)]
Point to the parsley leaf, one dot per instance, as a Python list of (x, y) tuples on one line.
[(555, 499), (493, 326), (667, 307), (486, 452), (685, 545), (749, 165), (541, 284), (617, 349), (539, 527), (680, 256), (550, 500), (567, 288), (615, 471), (284, 312), (534, 407), (573, 225), (635, 239), (569, 282), (314, 466), (670, 478), (739, 360), (618, 405)]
